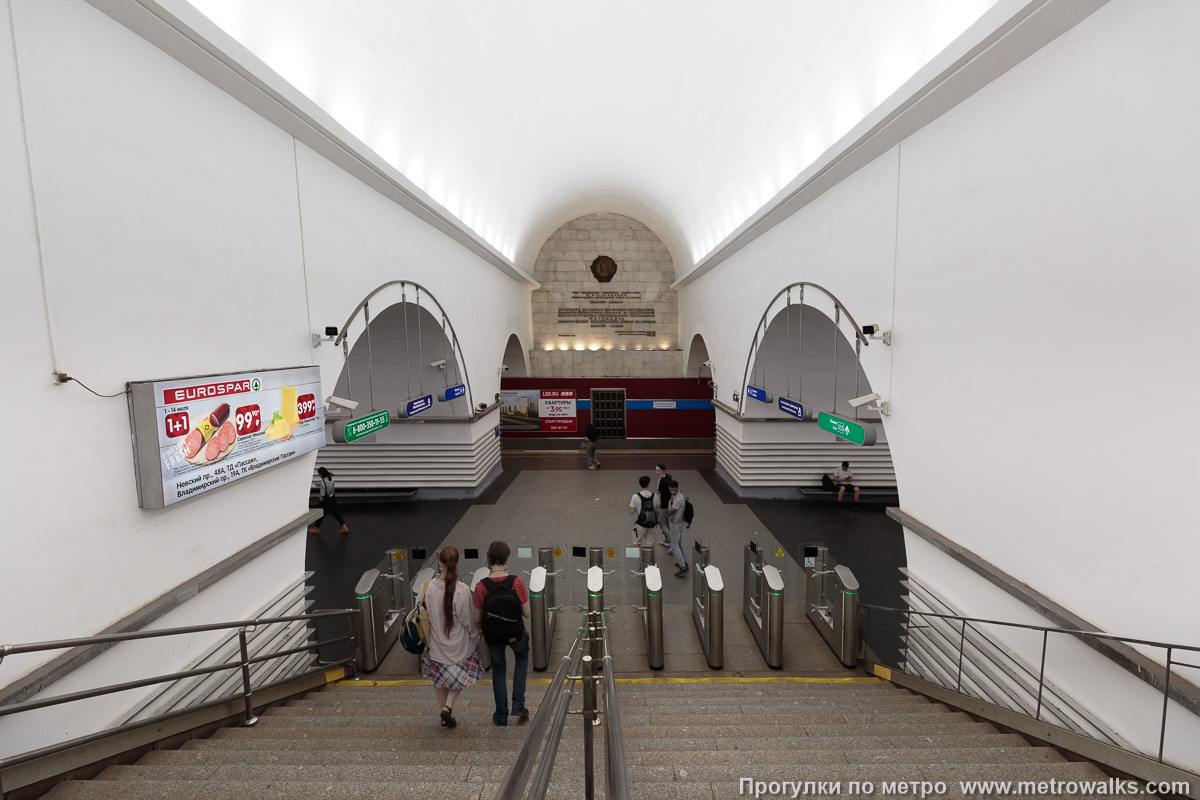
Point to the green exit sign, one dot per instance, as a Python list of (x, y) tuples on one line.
[(860, 433), (364, 426)]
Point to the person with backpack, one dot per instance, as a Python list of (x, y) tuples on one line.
[(453, 635), (662, 491), (641, 508), (673, 524), (501, 601)]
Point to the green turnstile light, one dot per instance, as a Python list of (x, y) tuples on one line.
[(536, 594), (654, 594), (595, 594), (364, 597), (859, 433), (847, 591)]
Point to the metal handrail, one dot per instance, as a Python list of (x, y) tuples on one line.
[(1170, 647), (243, 663), (63, 644), (550, 721), (617, 779), (518, 774)]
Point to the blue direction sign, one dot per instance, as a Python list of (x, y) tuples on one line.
[(796, 408), (755, 393), (416, 406), (452, 392)]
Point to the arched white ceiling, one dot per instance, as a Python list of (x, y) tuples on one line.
[(689, 115)]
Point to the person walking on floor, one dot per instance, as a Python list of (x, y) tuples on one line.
[(641, 508), (502, 604), (590, 437), (674, 525), (328, 502), (662, 499), (453, 634)]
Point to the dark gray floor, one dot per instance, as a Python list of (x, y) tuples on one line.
[(544, 500)]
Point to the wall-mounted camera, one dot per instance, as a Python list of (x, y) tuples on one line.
[(881, 405), (504, 367), (876, 331), (440, 364), (331, 333), (707, 364), (341, 402)]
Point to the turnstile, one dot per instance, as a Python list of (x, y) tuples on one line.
[(762, 604), (708, 607), (651, 607), (831, 602), (543, 610)]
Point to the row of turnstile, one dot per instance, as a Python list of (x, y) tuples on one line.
[(830, 595)]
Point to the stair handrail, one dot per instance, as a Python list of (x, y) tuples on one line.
[(244, 662), (617, 777), (514, 782), (1045, 630)]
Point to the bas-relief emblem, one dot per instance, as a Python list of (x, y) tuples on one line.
[(604, 268)]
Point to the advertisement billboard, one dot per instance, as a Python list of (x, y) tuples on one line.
[(192, 435), (556, 408)]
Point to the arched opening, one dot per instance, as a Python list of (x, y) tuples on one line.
[(515, 363), (405, 352), (697, 358), (805, 357)]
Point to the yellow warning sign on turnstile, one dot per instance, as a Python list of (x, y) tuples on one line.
[(612, 553), (558, 552), (779, 553), (398, 555)]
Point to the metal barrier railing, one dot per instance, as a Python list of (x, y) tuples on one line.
[(973, 624), (831, 602), (243, 664), (651, 609), (589, 663), (708, 607), (762, 604)]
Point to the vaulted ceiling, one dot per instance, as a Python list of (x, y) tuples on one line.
[(689, 115)]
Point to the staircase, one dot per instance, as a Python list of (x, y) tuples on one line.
[(682, 740)]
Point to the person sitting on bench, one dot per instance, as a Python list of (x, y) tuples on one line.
[(844, 477)]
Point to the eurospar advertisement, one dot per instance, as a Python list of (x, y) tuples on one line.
[(193, 435)]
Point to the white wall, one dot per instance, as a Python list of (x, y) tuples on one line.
[(182, 234), (1034, 250)]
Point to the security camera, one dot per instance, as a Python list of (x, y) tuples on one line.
[(859, 402), (340, 402), (707, 364), (440, 364), (881, 405), (504, 367), (876, 331), (331, 333)]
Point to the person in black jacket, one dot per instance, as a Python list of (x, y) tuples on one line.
[(662, 490), (590, 436)]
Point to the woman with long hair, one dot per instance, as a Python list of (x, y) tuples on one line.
[(328, 502), (453, 634)]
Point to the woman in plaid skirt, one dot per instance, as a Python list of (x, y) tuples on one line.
[(453, 634)]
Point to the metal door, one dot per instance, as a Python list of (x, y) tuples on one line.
[(608, 412)]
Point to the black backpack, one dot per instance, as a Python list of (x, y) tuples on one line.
[(827, 483), (646, 517), (501, 612), (688, 512)]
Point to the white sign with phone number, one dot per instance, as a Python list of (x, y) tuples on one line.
[(212, 430)]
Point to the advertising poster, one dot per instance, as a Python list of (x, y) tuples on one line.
[(556, 408), (519, 410), (192, 435)]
